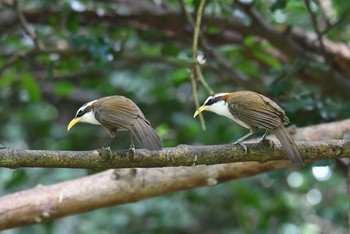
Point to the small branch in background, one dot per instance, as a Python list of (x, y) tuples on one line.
[(12, 60), (19, 56), (200, 76), (195, 68), (221, 61), (326, 10), (314, 22), (26, 27)]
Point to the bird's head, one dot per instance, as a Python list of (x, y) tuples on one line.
[(85, 114), (217, 104)]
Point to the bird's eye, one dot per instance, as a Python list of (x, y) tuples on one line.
[(79, 113), (210, 101)]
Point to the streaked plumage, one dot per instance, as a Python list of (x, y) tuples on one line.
[(118, 113), (252, 110)]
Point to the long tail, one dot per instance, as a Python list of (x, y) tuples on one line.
[(289, 145), (146, 135)]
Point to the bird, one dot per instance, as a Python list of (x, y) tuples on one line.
[(253, 111), (118, 113)]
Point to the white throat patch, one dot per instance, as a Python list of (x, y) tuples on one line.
[(221, 108), (89, 117)]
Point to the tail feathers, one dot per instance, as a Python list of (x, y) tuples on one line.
[(289, 145), (146, 135)]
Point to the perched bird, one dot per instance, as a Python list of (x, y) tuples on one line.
[(118, 113), (252, 110)]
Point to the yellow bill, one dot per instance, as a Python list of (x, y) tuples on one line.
[(199, 110), (72, 123)]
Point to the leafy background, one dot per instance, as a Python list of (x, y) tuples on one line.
[(130, 50)]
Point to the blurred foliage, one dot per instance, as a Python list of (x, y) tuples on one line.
[(84, 60)]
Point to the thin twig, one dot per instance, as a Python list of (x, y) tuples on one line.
[(221, 61), (314, 22), (199, 76), (186, 14), (202, 80), (195, 64), (12, 60), (26, 27)]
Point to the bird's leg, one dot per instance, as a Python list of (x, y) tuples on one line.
[(263, 137), (105, 146), (239, 141)]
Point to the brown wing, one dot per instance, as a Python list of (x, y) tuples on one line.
[(120, 113), (256, 110), (117, 112)]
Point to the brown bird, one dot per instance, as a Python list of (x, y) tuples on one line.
[(118, 113), (252, 110)]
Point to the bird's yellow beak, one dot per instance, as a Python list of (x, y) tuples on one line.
[(72, 123), (199, 110)]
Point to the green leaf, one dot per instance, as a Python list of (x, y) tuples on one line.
[(7, 79), (180, 76), (63, 88), (278, 5), (268, 59), (72, 23), (98, 48), (169, 50), (30, 85)]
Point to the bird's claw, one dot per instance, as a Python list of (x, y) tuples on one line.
[(106, 153), (107, 149), (132, 149), (266, 141)]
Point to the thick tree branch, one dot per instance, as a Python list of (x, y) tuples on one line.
[(45, 203)]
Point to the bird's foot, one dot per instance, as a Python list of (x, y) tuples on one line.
[(132, 151), (266, 142), (106, 153), (132, 148), (241, 144), (107, 149)]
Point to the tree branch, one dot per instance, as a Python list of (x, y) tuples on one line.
[(184, 155), (104, 189), (178, 156), (45, 203), (294, 43), (27, 29), (314, 22), (195, 67)]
